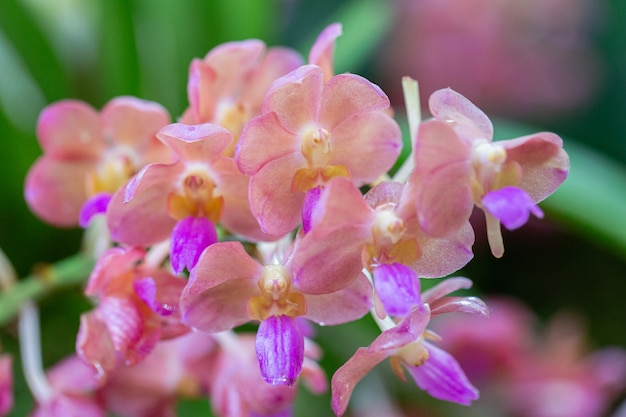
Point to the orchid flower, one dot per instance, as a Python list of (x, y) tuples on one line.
[(219, 297), (408, 345), (137, 306), (459, 166), (185, 200), (89, 155), (310, 131), (378, 232), (227, 86)]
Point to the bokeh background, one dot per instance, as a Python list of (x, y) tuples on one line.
[(557, 65)]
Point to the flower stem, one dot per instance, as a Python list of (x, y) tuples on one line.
[(69, 271)]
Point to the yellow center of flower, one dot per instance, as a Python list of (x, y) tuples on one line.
[(276, 296), (109, 175), (232, 117), (316, 148), (488, 153), (197, 196), (387, 244)]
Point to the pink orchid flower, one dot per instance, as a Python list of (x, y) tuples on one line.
[(322, 51), (185, 200), (309, 132), (6, 385), (74, 388), (459, 166), (137, 306), (176, 368), (227, 86), (378, 232), (219, 297), (238, 389), (89, 155), (407, 344)]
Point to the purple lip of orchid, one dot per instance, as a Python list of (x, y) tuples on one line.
[(280, 350)]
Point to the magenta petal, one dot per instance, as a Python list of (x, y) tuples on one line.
[(442, 377), (280, 350), (511, 205), (311, 198), (96, 204), (397, 287), (189, 238), (6, 384)]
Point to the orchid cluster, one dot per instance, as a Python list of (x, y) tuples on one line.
[(270, 202)]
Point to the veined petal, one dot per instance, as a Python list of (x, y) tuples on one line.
[(367, 143), (511, 205), (133, 122), (311, 199), (70, 129), (55, 190), (346, 95), (263, 140), (275, 206), (397, 287), (544, 162), (202, 142), (468, 120), (343, 306), (189, 238), (137, 213), (441, 376), (280, 350), (322, 51), (295, 98)]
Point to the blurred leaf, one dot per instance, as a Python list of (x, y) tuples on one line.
[(593, 198)]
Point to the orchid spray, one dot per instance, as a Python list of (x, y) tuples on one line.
[(267, 209)]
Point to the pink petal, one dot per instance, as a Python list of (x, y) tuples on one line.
[(189, 238), (346, 95), (199, 91), (116, 262), (367, 143), (544, 162), (94, 345), (55, 190), (275, 206), (67, 405), (6, 384), (295, 98), (311, 199), (216, 296), (202, 142), (137, 213), (437, 145), (511, 205), (133, 122), (343, 306), (72, 375), (280, 350), (236, 214), (365, 359), (442, 377), (468, 120), (398, 288), (70, 129), (277, 62), (445, 287), (263, 140), (469, 305), (322, 51)]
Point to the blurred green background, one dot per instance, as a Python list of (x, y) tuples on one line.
[(95, 50)]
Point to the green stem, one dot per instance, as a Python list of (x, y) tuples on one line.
[(69, 271)]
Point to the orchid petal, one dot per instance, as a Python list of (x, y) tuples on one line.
[(201, 142), (445, 287), (398, 288), (6, 384), (94, 345), (442, 377), (343, 306), (189, 238), (321, 53), (468, 120), (469, 305), (280, 350), (511, 205), (311, 199), (96, 204)]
